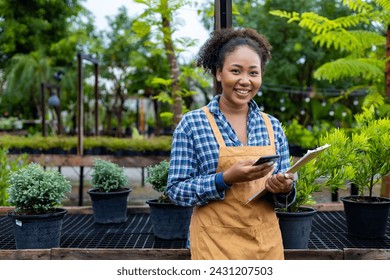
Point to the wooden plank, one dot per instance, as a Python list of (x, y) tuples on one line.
[(385, 189), (120, 254), (333, 206), (84, 209), (311, 254), (41, 254), (366, 254)]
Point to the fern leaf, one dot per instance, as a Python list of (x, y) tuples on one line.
[(317, 24), (358, 6), (352, 20), (347, 67), (351, 41), (282, 14), (385, 4)]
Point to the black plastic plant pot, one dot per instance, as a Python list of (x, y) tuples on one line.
[(109, 207), (169, 220), (366, 217), (37, 231), (296, 227)]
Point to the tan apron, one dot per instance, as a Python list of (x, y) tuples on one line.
[(231, 228)]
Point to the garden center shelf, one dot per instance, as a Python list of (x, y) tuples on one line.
[(82, 238)]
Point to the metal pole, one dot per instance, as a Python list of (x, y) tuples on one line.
[(222, 14), (43, 109), (222, 19), (80, 108), (81, 187), (96, 100), (58, 110)]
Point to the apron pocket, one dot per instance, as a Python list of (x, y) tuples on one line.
[(269, 240), (232, 243)]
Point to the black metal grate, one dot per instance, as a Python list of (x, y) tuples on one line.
[(329, 231), (80, 231)]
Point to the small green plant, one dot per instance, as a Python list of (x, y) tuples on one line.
[(158, 178), (8, 165), (370, 146), (299, 135), (327, 171), (108, 176), (33, 190)]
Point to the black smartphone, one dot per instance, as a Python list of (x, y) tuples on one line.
[(264, 159)]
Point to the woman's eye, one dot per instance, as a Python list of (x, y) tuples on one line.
[(235, 71), (254, 73)]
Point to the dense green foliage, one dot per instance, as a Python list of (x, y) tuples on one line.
[(8, 165), (370, 146), (288, 79), (141, 144), (303, 80), (327, 171), (108, 176), (157, 176), (359, 37), (33, 190)]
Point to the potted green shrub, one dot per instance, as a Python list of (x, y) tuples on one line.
[(169, 221), (36, 193), (110, 193), (369, 153), (327, 171)]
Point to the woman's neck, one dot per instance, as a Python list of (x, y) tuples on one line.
[(237, 117)]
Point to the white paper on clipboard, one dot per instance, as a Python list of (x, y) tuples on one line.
[(310, 154)]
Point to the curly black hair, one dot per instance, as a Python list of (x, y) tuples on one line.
[(211, 55)]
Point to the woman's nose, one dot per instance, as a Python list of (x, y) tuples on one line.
[(244, 79)]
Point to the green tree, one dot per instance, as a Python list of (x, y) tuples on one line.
[(38, 39), (28, 26), (359, 37), (32, 69), (162, 14), (289, 74)]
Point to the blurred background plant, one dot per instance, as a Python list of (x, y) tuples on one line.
[(8, 165)]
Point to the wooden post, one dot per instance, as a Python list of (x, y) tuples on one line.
[(385, 190), (222, 19)]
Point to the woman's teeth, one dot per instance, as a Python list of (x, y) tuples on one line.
[(242, 91)]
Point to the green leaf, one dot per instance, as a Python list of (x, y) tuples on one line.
[(141, 28)]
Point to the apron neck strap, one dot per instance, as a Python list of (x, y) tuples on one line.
[(218, 134), (214, 126), (270, 131)]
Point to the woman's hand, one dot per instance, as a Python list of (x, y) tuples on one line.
[(244, 171), (280, 183)]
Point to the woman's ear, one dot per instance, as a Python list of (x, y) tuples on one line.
[(218, 75)]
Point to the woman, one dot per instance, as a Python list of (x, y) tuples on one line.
[(213, 152)]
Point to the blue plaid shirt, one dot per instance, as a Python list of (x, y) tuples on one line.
[(195, 153)]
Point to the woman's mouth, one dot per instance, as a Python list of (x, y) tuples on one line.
[(243, 92)]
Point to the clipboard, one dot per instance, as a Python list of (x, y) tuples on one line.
[(310, 154)]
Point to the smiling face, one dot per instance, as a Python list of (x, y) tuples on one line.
[(240, 76)]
